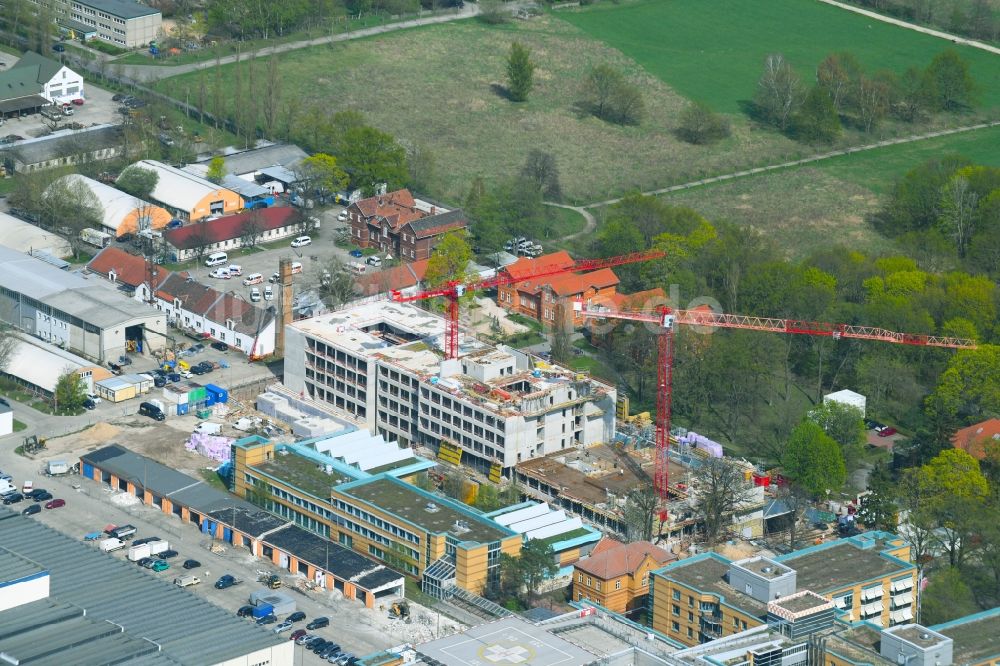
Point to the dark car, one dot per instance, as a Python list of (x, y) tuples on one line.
[(206, 367), (197, 347), (13, 498), (167, 554), (152, 411), (125, 237), (318, 623), (224, 582), (58, 48), (295, 635), (34, 508), (319, 645), (221, 346), (43, 496), (355, 253), (146, 562), (174, 376), (139, 542), (197, 370), (330, 649), (117, 97), (159, 381), (297, 616), (89, 404), (267, 619), (38, 492), (244, 611), (191, 564)]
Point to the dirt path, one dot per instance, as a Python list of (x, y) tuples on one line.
[(912, 26), (587, 215), (794, 163)]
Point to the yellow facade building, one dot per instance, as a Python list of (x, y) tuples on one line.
[(616, 575), (378, 513)]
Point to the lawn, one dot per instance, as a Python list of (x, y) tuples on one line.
[(713, 51)]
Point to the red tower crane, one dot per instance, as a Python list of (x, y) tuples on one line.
[(454, 290), (665, 318)]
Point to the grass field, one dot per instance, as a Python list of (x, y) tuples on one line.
[(713, 51)]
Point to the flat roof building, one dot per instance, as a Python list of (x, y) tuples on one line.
[(492, 408), (71, 312), (976, 638), (123, 23), (63, 148), (62, 596)]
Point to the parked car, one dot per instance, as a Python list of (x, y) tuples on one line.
[(297, 616), (34, 508), (146, 562), (221, 274), (356, 253), (266, 619), (283, 626), (224, 582), (139, 542), (887, 432), (160, 565), (297, 634), (152, 411), (90, 404), (78, 101), (173, 377), (197, 347), (245, 611), (197, 370), (305, 640), (58, 48), (40, 494), (191, 564), (13, 498), (55, 504), (168, 554), (318, 623), (301, 241), (221, 346), (319, 645)]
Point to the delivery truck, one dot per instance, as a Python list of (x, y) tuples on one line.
[(157, 547), (57, 468), (136, 553), (112, 544), (96, 237)]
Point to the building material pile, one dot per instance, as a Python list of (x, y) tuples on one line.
[(713, 449), (211, 446)]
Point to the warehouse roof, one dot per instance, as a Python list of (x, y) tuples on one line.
[(24, 237), (186, 628), (251, 521), (247, 189), (41, 364), (231, 226), (66, 143), (342, 562), (121, 8), (14, 567), (115, 204), (177, 188), (256, 159)]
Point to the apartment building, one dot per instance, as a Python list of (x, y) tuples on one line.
[(868, 577), (400, 225), (373, 510), (123, 23), (491, 408)]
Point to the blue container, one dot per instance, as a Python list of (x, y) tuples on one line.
[(221, 394), (182, 409), (209, 399), (262, 610)]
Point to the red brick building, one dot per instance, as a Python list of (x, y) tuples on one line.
[(550, 298), (400, 225)]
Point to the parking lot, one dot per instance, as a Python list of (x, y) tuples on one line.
[(90, 507), (98, 109)]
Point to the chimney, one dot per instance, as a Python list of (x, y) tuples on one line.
[(434, 210), (285, 309)]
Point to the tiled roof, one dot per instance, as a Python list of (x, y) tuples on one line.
[(432, 225), (640, 300), (524, 266), (569, 284), (974, 439), (129, 268), (248, 319), (227, 228), (194, 296), (397, 208), (397, 278), (620, 559)]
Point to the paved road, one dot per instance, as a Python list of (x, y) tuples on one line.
[(148, 73), (808, 160), (912, 26)]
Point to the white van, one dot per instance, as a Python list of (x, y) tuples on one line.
[(217, 259), (253, 278), (374, 261), (184, 581), (358, 269), (254, 294), (268, 293), (296, 267), (301, 241), (235, 269)]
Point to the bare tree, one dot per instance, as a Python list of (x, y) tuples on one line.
[(873, 101), (797, 500), (335, 284), (272, 95), (779, 91), (720, 492), (8, 342), (200, 238), (251, 229), (958, 211), (638, 514)]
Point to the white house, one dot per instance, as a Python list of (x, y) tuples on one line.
[(34, 74)]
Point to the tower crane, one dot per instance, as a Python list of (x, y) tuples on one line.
[(665, 318), (455, 289)]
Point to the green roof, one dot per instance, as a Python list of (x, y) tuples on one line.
[(302, 473)]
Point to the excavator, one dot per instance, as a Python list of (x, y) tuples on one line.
[(400, 610)]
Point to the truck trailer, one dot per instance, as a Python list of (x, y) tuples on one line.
[(111, 544), (96, 237)]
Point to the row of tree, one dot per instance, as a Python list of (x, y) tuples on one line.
[(973, 18), (845, 93)]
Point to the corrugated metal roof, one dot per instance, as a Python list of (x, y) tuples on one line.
[(117, 205), (23, 236), (40, 363), (189, 629), (177, 188), (15, 567), (255, 159)]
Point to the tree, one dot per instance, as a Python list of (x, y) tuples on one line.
[(537, 563), (541, 169), (637, 514), (138, 182), (873, 100), (609, 96), (493, 12), (70, 392), (8, 343), (779, 92), (201, 239), (946, 597), (698, 124), (449, 260), (520, 72), (879, 511), (838, 75), (336, 285), (372, 157), (322, 173), (846, 425), (422, 167), (816, 120), (454, 485), (251, 229), (796, 499), (959, 203), (70, 206), (720, 492), (967, 391), (216, 169), (950, 84), (911, 95), (814, 460)]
